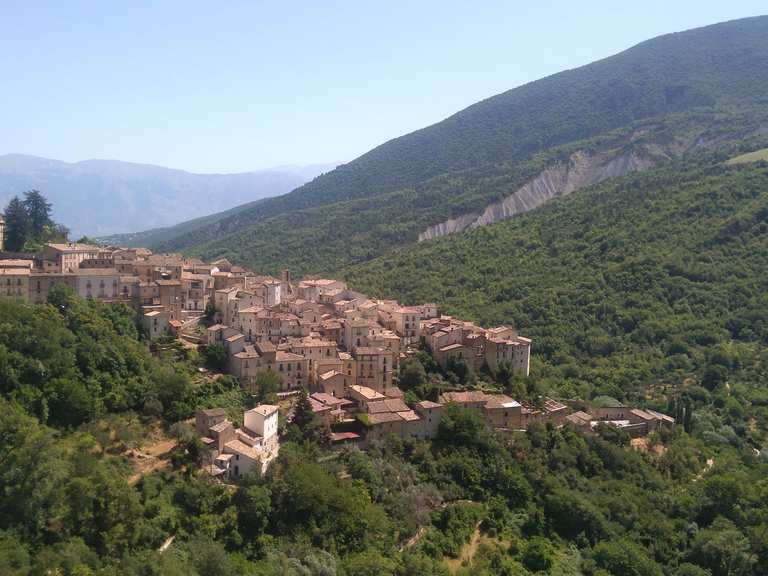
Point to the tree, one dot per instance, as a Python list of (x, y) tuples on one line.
[(209, 557), (305, 424), (723, 549), (14, 557), (626, 558), (303, 415), (333, 512), (267, 385), (39, 213), (253, 509), (714, 375), (461, 370), (17, 225), (181, 431), (210, 311), (214, 356), (33, 473), (369, 563), (538, 555), (463, 427), (412, 374)]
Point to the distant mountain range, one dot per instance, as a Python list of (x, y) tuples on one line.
[(656, 102), (105, 197)]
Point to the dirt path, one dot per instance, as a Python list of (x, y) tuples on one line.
[(167, 543), (467, 553), (160, 448), (150, 457), (413, 540)]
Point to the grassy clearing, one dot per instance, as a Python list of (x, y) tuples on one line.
[(756, 156), (469, 550)]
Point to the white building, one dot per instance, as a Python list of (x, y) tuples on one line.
[(237, 452)]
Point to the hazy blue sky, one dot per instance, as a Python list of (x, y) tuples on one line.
[(229, 86)]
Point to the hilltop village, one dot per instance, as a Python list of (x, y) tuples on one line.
[(316, 334)]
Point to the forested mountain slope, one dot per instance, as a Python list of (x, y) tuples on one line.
[(326, 238), (708, 71), (637, 281)]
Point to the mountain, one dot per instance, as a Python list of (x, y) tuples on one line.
[(655, 102), (102, 197), (628, 283)]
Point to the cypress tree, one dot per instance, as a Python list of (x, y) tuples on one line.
[(16, 225), (39, 213)]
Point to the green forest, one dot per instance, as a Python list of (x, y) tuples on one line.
[(545, 502), (549, 501), (650, 289), (326, 238)]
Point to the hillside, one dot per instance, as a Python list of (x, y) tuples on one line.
[(654, 278), (638, 281), (327, 238), (701, 75), (82, 401), (103, 197)]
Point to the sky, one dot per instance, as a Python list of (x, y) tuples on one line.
[(235, 86)]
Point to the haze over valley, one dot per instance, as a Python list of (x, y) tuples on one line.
[(106, 197)]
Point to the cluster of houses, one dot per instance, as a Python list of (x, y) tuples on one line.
[(345, 349), (635, 422), (234, 452), (320, 335), (315, 334), (166, 288)]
